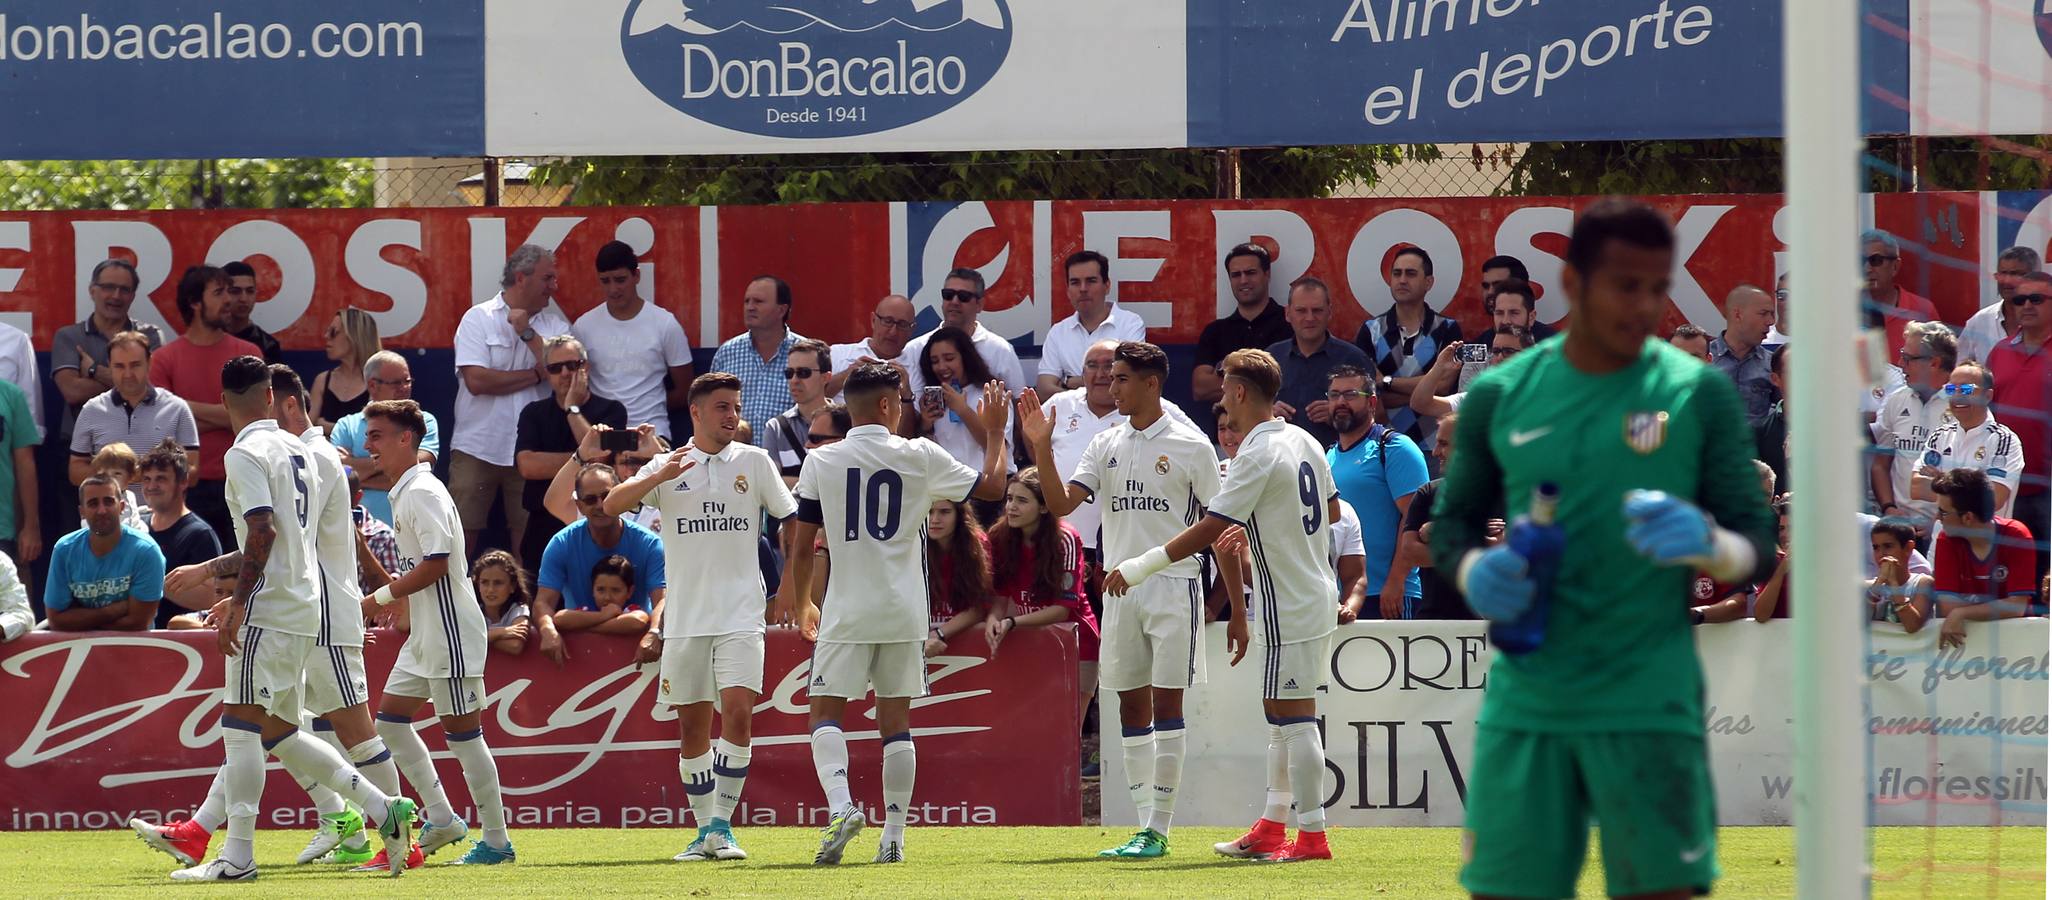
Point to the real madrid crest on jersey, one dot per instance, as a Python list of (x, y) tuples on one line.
[(1075, 421), (1161, 465), (740, 484), (1645, 431)]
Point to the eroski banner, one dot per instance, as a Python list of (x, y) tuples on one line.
[(416, 270), (103, 727), (1957, 736)]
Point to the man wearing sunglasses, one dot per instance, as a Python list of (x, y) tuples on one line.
[(388, 378), (1996, 321), (1908, 419), (889, 342), (1504, 343), (961, 304), (2023, 397), (1887, 305), (1973, 439), (79, 350), (550, 430), (784, 437)]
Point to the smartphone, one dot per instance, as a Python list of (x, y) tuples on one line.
[(930, 399), (1474, 353), (618, 441)]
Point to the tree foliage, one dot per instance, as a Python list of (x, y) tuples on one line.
[(1753, 165), (186, 184), (971, 175)]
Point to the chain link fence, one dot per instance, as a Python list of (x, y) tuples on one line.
[(1381, 171)]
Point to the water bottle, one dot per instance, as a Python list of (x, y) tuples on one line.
[(1535, 537)]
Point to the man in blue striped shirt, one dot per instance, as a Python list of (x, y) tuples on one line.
[(758, 355)]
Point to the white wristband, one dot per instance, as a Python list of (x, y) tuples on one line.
[(1144, 566), (383, 596), (1731, 556)]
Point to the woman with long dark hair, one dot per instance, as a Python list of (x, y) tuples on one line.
[(954, 374), (1036, 567)]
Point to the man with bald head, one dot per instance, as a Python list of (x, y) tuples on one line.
[(889, 342), (1748, 314)]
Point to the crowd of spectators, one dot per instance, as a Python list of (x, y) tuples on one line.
[(549, 415)]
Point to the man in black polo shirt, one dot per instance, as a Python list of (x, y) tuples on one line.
[(1258, 323), (550, 430), (1439, 598), (242, 300), (1308, 357)]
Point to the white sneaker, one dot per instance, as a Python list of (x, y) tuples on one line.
[(719, 844), (892, 852), (218, 870), (325, 838), (695, 852), (435, 837)]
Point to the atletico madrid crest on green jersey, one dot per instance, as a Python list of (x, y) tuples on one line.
[(1645, 431)]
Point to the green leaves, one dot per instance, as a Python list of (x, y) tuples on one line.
[(186, 184)]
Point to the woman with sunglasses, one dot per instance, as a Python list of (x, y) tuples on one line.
[(352, 337)]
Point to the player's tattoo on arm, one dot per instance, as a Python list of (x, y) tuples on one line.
[(227, 565), (256, 553)]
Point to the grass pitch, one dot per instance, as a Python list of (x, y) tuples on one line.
[(987, 862)]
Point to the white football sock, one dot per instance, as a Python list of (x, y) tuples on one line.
[(730, 772), (1168, 772), (1307, 773), (411, 755), (1136, 751), (331, 770), (213, 811), (481, 774), (830, 761), (323, 730), (325, 802), (900, 769), (243, 771), (375, 762), (697, 772), (1278, 808)]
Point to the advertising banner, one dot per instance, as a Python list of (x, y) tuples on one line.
[(104, 727), (171, 79), (1980, 67), (1957, 736), (417, 270)]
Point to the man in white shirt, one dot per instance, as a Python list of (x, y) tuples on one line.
[(499, 357), (1973, 439), (1280, 490), (18, 365), (889, 341), (1096, 319), (634, 344), (874, 631), (709, 625), (1156, 475), (1986, 328), (1909, 417), (961, 304)]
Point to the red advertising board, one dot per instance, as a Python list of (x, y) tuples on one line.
[(105, 726), (417, 270)]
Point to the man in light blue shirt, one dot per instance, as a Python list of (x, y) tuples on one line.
[(1377, 470), (105, 576), (388, 378)]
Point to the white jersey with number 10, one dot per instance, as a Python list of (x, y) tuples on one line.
[(869, 493)]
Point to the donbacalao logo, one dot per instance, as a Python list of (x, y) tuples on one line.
[(815, 68)]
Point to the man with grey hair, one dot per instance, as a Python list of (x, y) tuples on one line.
[(499, 371), (78, 354), (1885, 303), (1909, 417), (1988, 327), (387, 377), (550, 430)]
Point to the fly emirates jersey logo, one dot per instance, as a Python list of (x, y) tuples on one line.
[(1136, 499), (712, 518)]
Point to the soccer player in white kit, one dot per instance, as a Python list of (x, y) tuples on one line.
[(871, 491), (1280, 490), (1153, 476), (334, 690), (444, 657), (270, 627), (712, 494)]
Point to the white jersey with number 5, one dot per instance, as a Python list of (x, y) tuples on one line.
[(710, 517), (334, 534), (268, 470), (1277, 488), (869, 493)]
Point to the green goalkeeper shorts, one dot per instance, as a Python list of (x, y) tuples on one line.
[(1532, 797)]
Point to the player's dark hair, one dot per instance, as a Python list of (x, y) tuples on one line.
[(1054, 568), (704, 385), (1424, 258), (1514, 264), (170, 455), (285, 384), (1615, 219), (966, 559), (616, 566), (1969, 489), (615, 256), (1256, 369), (238, 269), (1895, 528), (975, 372), (404, 414), (868, 380), (1088, 256), (1143, 358), (244, 374), (192, 289), (969, 275), (837, 413), (1517, 287), (1257, 251), (500, 559)]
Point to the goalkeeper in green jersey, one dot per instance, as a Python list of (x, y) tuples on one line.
[(1603, 721)]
